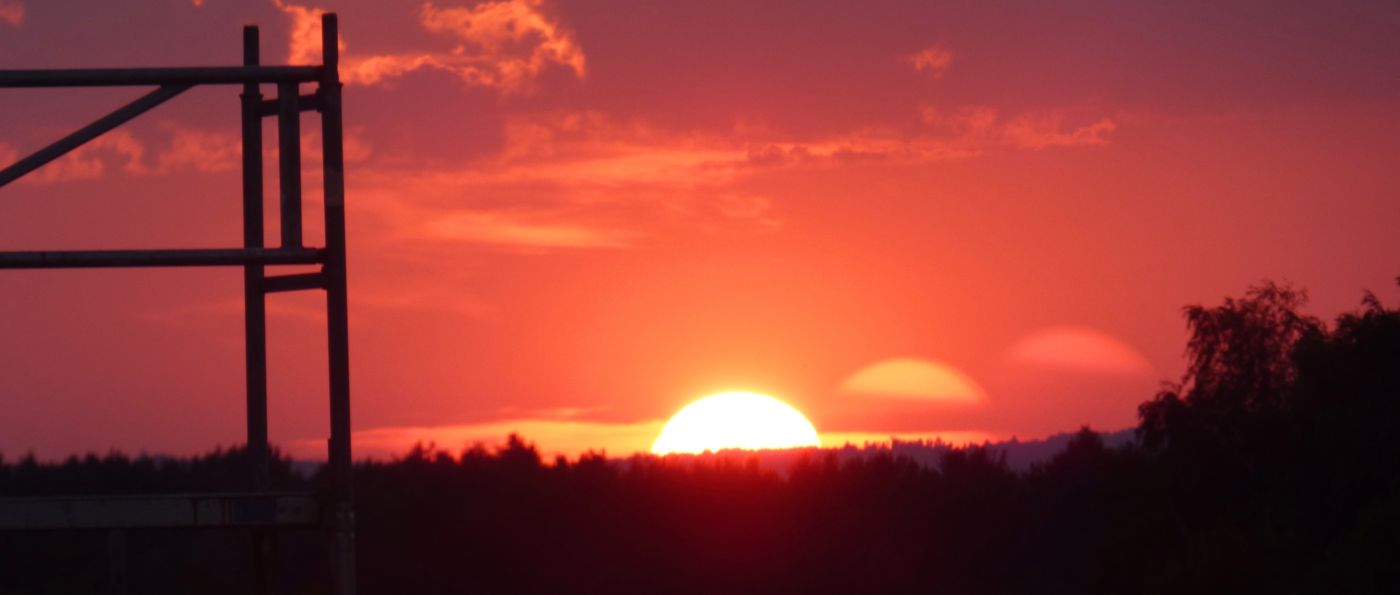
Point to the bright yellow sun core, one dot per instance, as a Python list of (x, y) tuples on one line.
[(735, 420)]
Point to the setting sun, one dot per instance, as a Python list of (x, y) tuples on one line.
[(735, 420)]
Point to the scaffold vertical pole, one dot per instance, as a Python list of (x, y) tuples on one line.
[(337, 308), (255, 308)]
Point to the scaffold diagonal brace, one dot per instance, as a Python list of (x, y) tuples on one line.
[(66, 144)]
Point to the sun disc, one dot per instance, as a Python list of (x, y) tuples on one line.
[(744, 420)]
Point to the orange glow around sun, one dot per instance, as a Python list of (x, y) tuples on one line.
[(735, 420)]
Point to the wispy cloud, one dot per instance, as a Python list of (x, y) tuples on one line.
[(120, 151), (503, 228), (304, 47), (1037, 131), (975, 126), (12, 12), (190, 149), (505, 44), (934, 59), (568, 181), (585, 180)]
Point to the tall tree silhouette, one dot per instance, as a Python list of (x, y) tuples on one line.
[(1240, 368)]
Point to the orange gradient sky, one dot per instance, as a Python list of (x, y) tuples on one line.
[(572, 218)]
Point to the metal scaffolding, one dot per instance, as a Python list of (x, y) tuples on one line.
[(258, 508)]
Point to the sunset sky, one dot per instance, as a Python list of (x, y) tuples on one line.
[(572, 218)]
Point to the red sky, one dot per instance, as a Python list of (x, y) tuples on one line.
[(572, 218)]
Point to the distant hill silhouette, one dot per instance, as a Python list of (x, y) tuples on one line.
[(1020, 455), (1270, 467)]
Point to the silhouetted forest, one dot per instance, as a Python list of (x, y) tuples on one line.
[(1272, 466)]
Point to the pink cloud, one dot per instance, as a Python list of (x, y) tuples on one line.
[(354, 147), (585, 180), (985, 126), (375, 69), (1079, 348), (12, 12), (198, 150), (116, 148), (933, 59), (507, 229), (1037, 131), (590, 148), (1073, 375), (181, 149), (305, 44), (572, 180), (504, 44), (511, 40)]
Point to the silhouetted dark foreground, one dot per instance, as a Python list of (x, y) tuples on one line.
[(1273, 467)]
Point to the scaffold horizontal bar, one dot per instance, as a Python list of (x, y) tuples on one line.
[(306, 102), (160, 258), (299, 282), (259, 509), (198, 75)]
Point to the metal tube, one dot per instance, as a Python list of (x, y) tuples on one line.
[(89, 132), (120, 77), (254, 304), (310, 102), (89, 259), (255, 312), (304, 281), (289, 162), (337, 310)]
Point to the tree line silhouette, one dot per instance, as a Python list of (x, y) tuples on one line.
[(1270, 467)]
